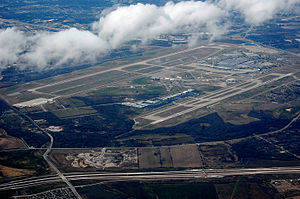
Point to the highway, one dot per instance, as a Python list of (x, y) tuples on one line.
[(45, 155), (193, 104), (108, 177)]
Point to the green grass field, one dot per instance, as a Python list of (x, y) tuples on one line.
[(149, 89), (152, 69), (142, 81), (74, 112), (135, 67)]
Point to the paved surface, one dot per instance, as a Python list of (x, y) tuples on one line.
[(45, 155), (146, 176), (208, 100), (144, 62)]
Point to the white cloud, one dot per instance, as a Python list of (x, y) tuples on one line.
[(257, 11), (145, 21), (122, 24), (65, 47), (12, 43)]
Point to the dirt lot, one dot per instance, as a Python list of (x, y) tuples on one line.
[(9, 172), (100, 158), (286, 185), (166, 158), (186, 156), (149, 157), (174, 156), (218, 156), (8, 142)]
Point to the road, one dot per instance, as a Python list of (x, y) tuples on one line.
[(45, 155), (189, 174), (144, 62), (215, 142), (53, 96), (207, 100)]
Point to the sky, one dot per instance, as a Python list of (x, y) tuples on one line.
[(120, 24)]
